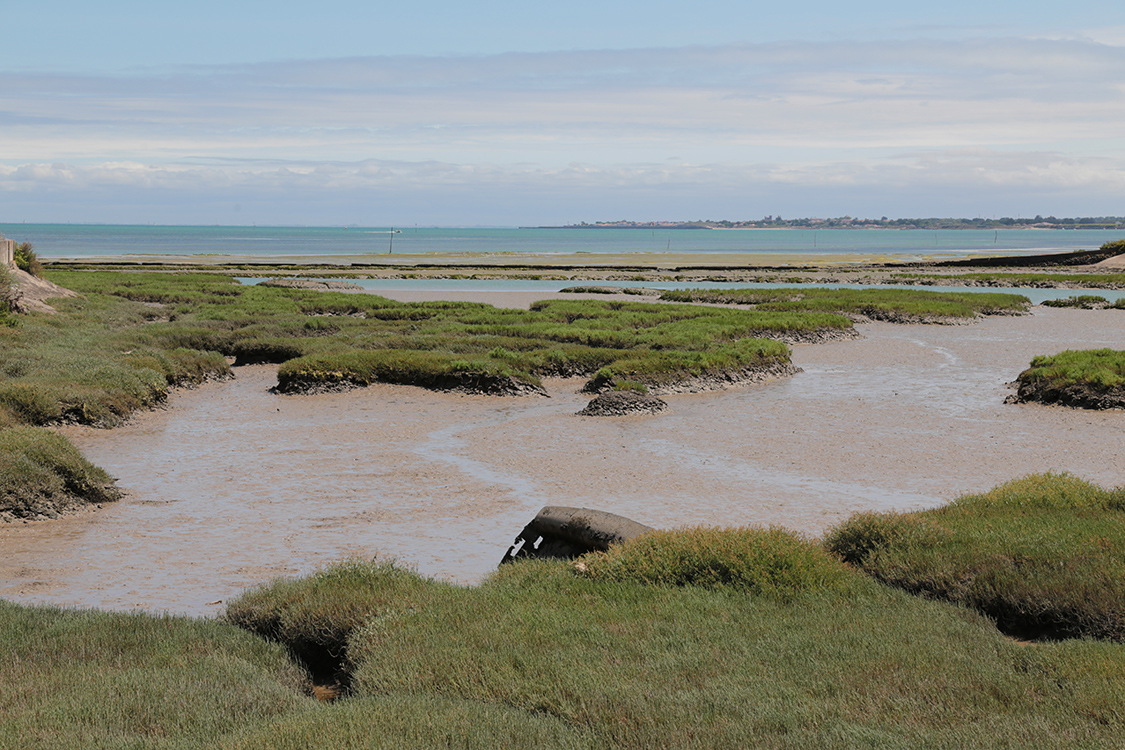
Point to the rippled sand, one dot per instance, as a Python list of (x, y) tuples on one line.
[(232, 485)]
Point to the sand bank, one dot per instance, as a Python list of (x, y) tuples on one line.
[(233, 485)]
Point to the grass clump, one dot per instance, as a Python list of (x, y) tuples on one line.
[(1089, 378), (27, 260), (71, 680), (1081, 301), (772, 562), (1029, 279), (314, 616), (890, 305), (1044, 556), (589, 290), (9, 295), (42, 474)]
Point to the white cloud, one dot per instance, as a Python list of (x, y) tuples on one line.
[(1016, 113)]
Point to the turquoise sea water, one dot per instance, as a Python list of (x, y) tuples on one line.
[(90, 241)]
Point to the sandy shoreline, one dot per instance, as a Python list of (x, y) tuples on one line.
[(232, 485)]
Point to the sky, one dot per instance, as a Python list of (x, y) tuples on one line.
[(441, 113)]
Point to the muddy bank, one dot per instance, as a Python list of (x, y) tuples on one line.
[(476, 383), (314, 284), (233, 485), (718, 380), (1075, 395)]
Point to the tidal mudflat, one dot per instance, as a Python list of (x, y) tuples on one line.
[(232, 485)]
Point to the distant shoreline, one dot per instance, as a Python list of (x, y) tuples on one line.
[(799, 225)]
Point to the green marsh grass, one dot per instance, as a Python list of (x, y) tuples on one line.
[(9, 293), (71, 680), (772, 562), (1092, 378), (315, 616), (1081, 301), (697, 638), (325, 339), (1044, 556), (27, 259), (584, 661), (1100, 367), (630, 665), (1029, 279), (895, 305), (42, 473)]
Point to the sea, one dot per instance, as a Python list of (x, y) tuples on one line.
[(438, 244)]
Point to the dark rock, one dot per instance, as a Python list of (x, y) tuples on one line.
[(561, 532), (620, 403)]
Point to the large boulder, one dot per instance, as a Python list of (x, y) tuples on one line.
[(562, 532)]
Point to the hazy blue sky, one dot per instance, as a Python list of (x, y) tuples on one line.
[(505, 113)]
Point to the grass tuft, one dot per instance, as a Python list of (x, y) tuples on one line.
[(771, 562), (1044, 556), (41, 473), (314, 616), (1093, 379)]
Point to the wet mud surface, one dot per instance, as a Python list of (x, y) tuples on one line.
[(232, 485)]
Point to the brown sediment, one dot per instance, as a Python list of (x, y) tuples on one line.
[(232, 485)]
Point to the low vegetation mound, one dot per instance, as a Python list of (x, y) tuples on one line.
[(72, 679), (770, 562), (1089, 379), (324, 284), (1086, 302), (1043, 556), (43, 475), (314, 616), (328, 340), (1012, 279), (887, 305)]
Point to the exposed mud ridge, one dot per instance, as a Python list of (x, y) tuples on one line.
[(723, 380), (898, 318), (473, 383), (52, 503), (316, 284), (1077, 395), (818, 336), (1002, 283), (621, 403), (709, 381)]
